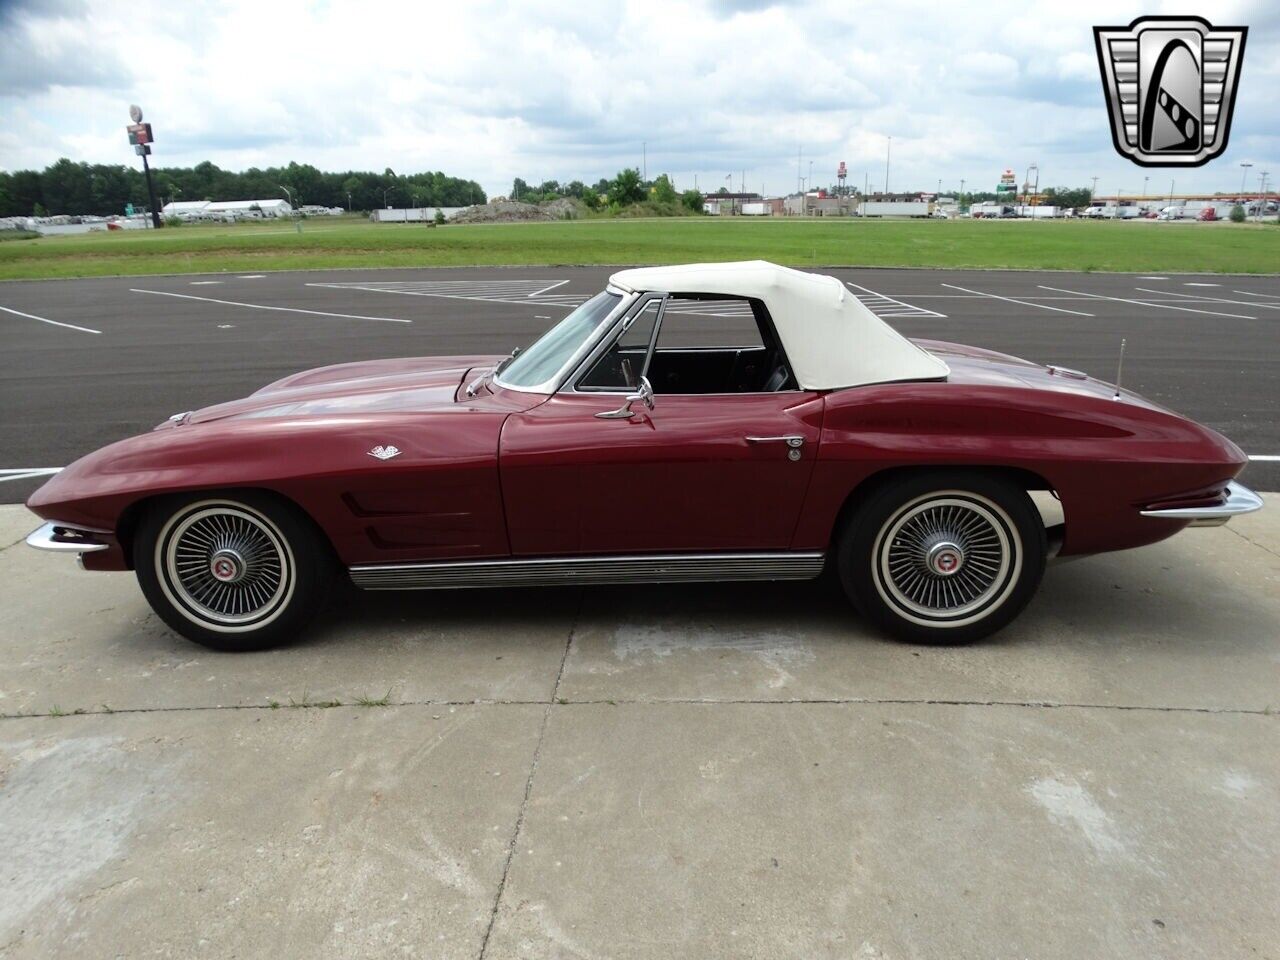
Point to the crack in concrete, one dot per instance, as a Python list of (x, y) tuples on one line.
[(528, 784), (1267, 711), (1253, 542)]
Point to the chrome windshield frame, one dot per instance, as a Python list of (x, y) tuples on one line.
[(552, 384)]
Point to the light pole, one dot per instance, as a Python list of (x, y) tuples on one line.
[(960, 199), (348, 201), (809, 179), (887, 147), (1262, 194), (385, 192), (287, 194), (1244, 172), (1144, 187), (1093, 191)]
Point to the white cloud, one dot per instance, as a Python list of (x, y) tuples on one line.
[(495, 90)]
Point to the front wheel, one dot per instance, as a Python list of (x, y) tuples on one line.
[(244, 571), (943, 557)]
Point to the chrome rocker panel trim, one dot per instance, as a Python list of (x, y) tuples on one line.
[(67, 538), (1240, 500), (666, 568)]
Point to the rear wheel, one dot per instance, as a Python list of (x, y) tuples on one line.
[(243, 571), (943, 557)]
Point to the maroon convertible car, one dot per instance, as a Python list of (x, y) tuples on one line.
[(733, 421)]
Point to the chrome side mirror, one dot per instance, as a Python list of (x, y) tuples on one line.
[(643, 395)]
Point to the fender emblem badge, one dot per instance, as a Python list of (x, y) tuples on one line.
[(384, 453)]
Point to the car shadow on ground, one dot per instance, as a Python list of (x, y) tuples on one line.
[(1136, 596)]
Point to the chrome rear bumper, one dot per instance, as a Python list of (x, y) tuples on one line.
[(1240, 499), (68, 538)]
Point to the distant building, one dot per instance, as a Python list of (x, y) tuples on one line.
[(226, 209), (413, 214)]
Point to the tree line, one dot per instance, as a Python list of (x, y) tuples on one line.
[(67, 187)]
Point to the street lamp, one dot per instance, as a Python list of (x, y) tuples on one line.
[(385, 192), (348, 201), (1093, 190), (887, 147), (1262, 194), (287, 194), (1244, 172)]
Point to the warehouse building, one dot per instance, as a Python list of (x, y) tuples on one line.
[(226, 209)]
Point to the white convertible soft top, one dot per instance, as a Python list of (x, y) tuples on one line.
[(831, 339)]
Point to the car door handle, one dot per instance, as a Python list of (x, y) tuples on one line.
[(791, 441)]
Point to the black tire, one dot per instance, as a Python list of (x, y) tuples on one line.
[(946, 556), (236, 571)]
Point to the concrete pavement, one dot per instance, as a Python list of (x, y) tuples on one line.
[(724, 771)]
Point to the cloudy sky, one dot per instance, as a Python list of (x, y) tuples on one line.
[(493, 90)]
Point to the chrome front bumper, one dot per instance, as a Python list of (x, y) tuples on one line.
[(68, 538), (1240, 499)]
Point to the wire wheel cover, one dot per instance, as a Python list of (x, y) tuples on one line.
[(226, 565), (947, 557)]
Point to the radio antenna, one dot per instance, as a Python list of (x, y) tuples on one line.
[(1119, 370)]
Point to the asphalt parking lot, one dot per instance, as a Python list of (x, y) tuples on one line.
[(704, 771), (138, 349)]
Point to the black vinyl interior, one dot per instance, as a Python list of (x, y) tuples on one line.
[(699, 369)]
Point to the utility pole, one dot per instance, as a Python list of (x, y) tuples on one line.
[(644, 160), (1262, 194), (799, 155), (888, 145)]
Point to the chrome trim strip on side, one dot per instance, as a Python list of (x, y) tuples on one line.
[(66, 538), (665, 568), (1240, 499)]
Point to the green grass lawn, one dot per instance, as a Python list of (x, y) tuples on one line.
[(1064, 245)]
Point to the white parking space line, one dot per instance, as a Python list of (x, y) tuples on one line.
[(263, 306), (1153, 278), (1247, 293), (485, 291), (538, 293), (1202, 284), (1271, 458), (1025, 303), (1148, 303), (885, 306), (205, 283), (252, 276), (1199, 298), (55, 323), (31, 474)]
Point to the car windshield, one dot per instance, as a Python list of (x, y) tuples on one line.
[(549, 354)]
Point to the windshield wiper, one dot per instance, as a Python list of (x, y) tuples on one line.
[(474, 386)]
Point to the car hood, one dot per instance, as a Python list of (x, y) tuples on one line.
[(974, 365), (402, 385)]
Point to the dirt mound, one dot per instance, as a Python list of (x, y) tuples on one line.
[(512, 211)]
